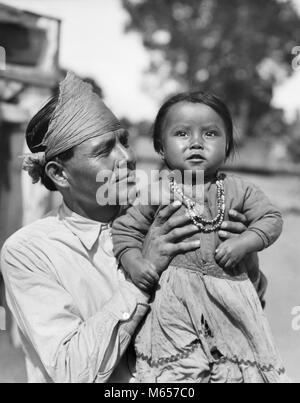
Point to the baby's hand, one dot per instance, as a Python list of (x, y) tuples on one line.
[(230, 253), (144, 275)]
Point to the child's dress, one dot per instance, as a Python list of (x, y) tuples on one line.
[(205, 324)]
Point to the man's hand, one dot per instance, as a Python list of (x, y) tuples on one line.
[(165, 238), (230, 253), (236, 226), (262, 288), (143, 274)]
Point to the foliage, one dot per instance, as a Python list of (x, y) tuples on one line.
[(238, 49), (293, 143)]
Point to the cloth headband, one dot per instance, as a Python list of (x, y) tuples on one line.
[(80, 115)]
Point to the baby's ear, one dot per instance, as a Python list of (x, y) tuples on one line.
[(162, 154)]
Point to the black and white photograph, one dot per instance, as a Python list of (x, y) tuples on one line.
[(150, 194)]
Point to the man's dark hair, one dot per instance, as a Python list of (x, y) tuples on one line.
[(35, 133)]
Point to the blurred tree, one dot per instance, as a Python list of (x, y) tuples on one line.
[(293, 144), (238, 49), (272, 123)]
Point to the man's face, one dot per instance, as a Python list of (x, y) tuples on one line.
[(92, 157)]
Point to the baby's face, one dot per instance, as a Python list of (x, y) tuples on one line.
[(194, 138)]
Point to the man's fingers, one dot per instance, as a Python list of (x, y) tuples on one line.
[(152, 277), (179, 234), (228, 265), (184, 247), (236, 216), (144, 287), (176, 222), (219, 254), (223, 260), (167, 212), (234, 227), (263, 285), (228, 235)]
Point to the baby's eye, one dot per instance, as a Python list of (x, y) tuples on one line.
[(181, 133), (211, 133)]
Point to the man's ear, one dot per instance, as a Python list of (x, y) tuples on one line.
[(57, 174)]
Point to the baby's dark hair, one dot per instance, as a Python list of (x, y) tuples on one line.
[(201, 98), (35, 133)]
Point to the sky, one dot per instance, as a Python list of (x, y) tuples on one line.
[(93, 43)]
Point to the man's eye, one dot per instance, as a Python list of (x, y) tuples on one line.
[(103, 153), (125, 142)]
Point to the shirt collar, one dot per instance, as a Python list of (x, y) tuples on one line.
[(88, 231)]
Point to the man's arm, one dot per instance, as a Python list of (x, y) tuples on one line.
[(71, 349)]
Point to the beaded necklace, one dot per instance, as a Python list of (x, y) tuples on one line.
[(205, 226)]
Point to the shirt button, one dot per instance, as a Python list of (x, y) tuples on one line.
[(126, 316)]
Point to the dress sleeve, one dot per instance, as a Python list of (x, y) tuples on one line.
[(72, 350), (130, 229), (263, 217)]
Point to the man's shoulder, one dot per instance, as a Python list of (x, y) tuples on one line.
[(35, 233)]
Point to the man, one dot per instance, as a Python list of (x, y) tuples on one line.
[(75, 311)]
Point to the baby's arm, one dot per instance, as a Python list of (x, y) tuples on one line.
[(129, 232), (231, 252), (265, 227)]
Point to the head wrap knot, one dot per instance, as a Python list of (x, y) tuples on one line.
[(34, 164)]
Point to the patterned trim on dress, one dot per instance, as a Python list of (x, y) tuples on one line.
[(174, 358), (193, 346), (248, 363)]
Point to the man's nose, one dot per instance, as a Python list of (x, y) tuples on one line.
[(126, 154)]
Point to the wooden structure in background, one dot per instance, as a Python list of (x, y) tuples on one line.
[(31, 44)]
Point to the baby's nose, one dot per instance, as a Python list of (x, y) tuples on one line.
[(196, 141)]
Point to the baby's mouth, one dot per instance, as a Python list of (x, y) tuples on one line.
[(196, 158)]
